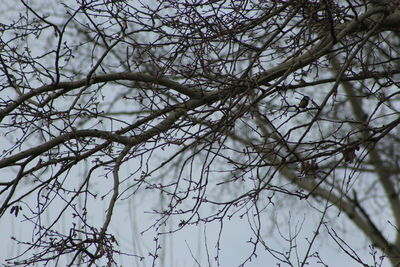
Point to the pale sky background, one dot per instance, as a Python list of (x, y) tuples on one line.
[(127, 224)]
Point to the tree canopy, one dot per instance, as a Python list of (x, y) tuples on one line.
[(209, 110)]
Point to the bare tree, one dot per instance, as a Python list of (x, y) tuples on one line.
[(221, 109)]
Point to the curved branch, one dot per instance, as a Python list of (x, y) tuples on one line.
[(59, 140)]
